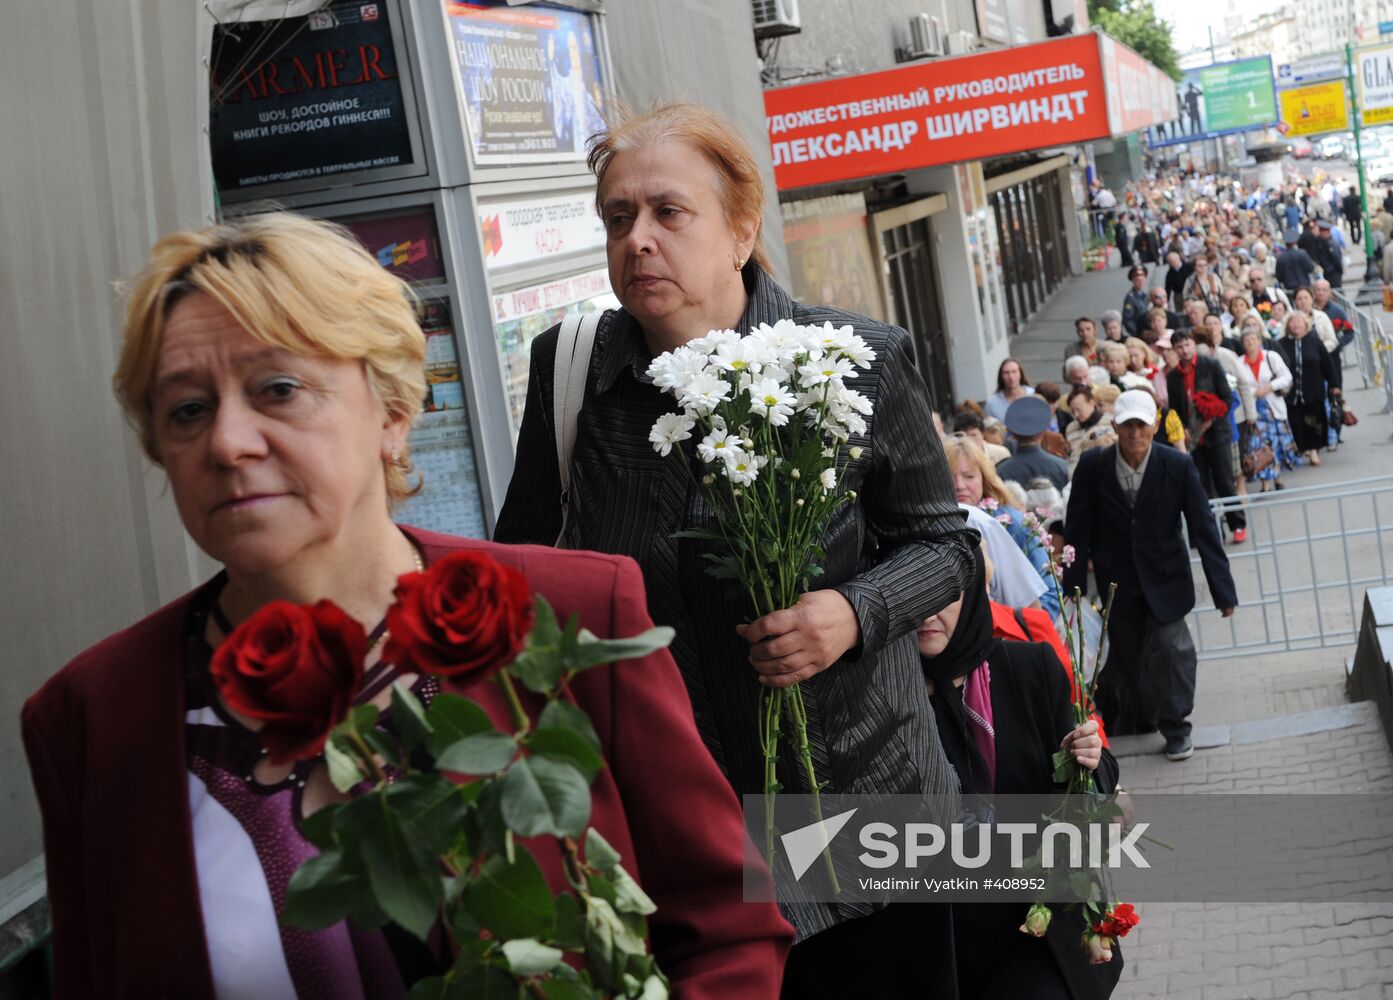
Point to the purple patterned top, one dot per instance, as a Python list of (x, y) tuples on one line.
[(247, 846)]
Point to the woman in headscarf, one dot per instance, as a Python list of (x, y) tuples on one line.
[(1003, 709), (1314, 377)]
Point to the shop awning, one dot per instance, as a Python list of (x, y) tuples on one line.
[(992, 103)]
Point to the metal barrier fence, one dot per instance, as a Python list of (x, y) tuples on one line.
[(1371, 344), (1311, 553)]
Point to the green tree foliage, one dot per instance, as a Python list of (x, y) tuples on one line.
[(1134, 23)]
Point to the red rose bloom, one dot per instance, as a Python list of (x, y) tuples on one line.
[(1118, 921), (465, 617), (296, 669)]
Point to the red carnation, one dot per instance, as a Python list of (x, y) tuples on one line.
[(296, 669), (1118, 921), (1210, 406), (466, 616)]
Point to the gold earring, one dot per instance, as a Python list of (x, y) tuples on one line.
[(739, 264)]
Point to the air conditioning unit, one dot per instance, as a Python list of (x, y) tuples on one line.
[(961, 42), (776, 17), (925, 37)]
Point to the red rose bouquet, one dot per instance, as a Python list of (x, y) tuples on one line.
[(1210, 406), (438, 854)]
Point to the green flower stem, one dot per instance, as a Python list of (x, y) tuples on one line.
[(769, 740), (800, 727), (368, 758), (520, 718), (1098, 660)]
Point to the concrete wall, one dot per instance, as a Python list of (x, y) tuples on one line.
[(702, 51), (103, 152), (865, 33)]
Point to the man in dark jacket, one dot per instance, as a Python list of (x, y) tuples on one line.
[(1354, 215), (1294, 265), (1136, 304), (1176, 275), (1124, 517), (1211, 437), (1329, 256), (1027, 419), (1144, 244)]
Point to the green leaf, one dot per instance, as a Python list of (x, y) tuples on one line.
[(529, 957), (409, 717), (432, 808), (1063, 765), (569, 930), (543, 796), (482, 753), (318, 827), (568, 989), (385, 746), (344, 770), (654, 988), (322, 892), (593, 651), (629, 898), (451, 718), (1081, 884), (359, 720), (402, 875), (539, 670), (598, 852), (540, 666), (511, 900), (566, 715), (567, 746)]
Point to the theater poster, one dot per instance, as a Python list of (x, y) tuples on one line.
[(530, 81)]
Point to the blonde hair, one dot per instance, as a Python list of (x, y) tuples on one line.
[(299, 284), (1147, 351), (1106, 395), (1113, 349), (957, 449), (739, 183)]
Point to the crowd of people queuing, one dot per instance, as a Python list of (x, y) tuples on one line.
[(1225, 355)]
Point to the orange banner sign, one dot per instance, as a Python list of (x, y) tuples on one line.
[(945, 111)]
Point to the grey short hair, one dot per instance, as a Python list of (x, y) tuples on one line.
[(1076, 361), (1110, 315)]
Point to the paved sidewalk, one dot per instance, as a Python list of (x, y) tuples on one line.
[(1275, 723)]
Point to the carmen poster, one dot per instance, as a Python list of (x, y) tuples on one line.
[(308, 97), (530, 81)]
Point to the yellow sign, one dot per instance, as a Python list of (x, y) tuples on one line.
[(1316, 109)]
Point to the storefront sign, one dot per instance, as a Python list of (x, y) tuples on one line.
[(830, 254), (1139, 94), (306, 97), (541, 298), (529, 80), (526, 231), (1373, 75), (1313, 70), (948, 111), (1223, 98), (1315, 110)]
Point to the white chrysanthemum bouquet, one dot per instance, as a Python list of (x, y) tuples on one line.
[(771, 411)]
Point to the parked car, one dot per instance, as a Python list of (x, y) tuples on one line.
[(1332, 147), (1300, 148)]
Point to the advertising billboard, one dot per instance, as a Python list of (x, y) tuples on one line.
[(1219, 99), (529, 80), (309, 101), (527, 230), (1315, 109), (1139, 94), (945, 111), (1374, 82)]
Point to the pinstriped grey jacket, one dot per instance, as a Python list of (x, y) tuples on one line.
[(899, 553)]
